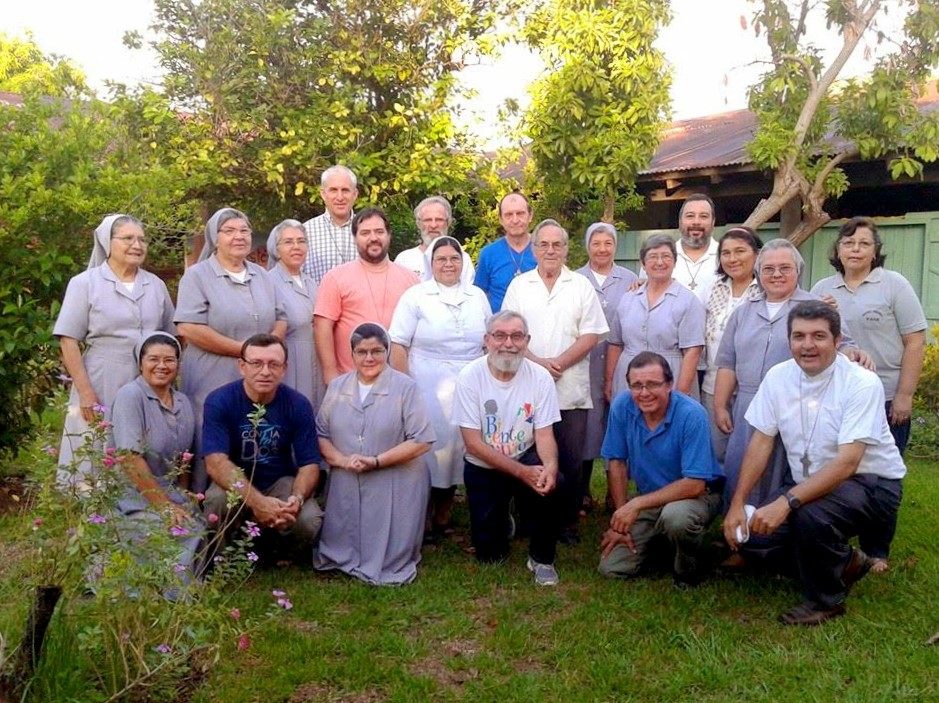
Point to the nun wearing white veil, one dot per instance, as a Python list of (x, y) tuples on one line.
[(222, 300), (105, 310)]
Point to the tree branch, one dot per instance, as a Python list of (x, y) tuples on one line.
[(832, 165)]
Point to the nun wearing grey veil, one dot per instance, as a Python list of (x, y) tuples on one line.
[(223, 299), (105, 310)]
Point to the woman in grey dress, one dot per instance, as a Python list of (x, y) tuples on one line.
[(286, 253), (610, 281), (222, 300), (106, 308), (662, 316), (154, 431), (373, 429), (756, 339)]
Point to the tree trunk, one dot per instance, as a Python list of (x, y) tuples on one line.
[(15, 678), (609, 206)]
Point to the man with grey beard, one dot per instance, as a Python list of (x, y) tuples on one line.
[(696, 265), (433, 217), (506, 407)]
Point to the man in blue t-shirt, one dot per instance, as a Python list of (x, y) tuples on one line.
[(510, 256), (660, 439), (259, 442)]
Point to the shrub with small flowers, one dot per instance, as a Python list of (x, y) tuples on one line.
[(141, 618)]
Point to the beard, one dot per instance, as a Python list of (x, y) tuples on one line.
[(506, 363), (689, 242), (373, 258)]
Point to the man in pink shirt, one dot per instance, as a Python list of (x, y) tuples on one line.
[(364, 290)]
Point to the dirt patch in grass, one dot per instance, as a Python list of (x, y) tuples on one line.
[(450, 666), (320, 692), (12, 494)]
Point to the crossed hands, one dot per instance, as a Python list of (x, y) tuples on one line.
[(619, 533), (276, 513), (541, 480)]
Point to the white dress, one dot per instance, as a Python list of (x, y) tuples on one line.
[(443, 330)]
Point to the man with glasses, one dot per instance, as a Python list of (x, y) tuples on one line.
[(566, 320), (432, 216), (260, 444), (506, 407), (661, 441)]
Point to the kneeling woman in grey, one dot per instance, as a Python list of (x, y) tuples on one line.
[(373, 428), (154, 431)]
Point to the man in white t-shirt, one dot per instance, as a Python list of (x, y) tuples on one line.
[(506, 407), (433, 217), (846, 471)]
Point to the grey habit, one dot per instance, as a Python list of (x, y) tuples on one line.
[(675, 322), (208, 296), (303, 373), (101, 313), (143, 425), (374, 521), (614, 287), (752, 344)]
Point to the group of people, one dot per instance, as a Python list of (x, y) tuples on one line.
[(402, 380)]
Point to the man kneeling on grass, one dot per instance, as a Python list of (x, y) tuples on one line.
[(845, 469), (660, 439)]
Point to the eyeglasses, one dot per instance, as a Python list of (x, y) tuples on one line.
[(545, 246), (257, 364), (130, 239), (784, 270), (500, 337), (293, 242), (157, 360), (855, 244), (664, 258), (447, 259), (231, 231), (373, 353), (651, 386)]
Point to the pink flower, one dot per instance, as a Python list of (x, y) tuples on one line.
[(284, 603), (179, 568), (243, 642), (179, 531), (110, 451), (186, 457), (164, 648), (235, 614), (103, 425), (99, 408), (252, 529), (37, 522), (50, 450), (97, 519), (213, 517), (200, 497), (251, 556), (278, 594), (238, 485), (109, 461)]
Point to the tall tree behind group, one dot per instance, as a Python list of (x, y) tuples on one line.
[(272, 92), (810, 122), (597, 111)]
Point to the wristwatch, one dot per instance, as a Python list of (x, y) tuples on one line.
[(794, 503), (300, 498)]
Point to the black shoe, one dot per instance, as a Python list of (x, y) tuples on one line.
[(858, 566), (808, 616)]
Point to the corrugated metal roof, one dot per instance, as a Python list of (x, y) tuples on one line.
[(704, 142), (721, 140)]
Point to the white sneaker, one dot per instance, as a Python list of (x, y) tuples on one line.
[(545, 574)]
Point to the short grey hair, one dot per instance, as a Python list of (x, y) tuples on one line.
[(656, 241), (338, 169), (432, 200), (506, 316), (285, 225), (230, 213), (124, 220), (548, 223), (775, 245)]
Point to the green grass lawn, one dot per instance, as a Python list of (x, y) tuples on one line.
[(465, 632)]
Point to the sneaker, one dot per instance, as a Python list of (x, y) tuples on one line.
[(545, 574)]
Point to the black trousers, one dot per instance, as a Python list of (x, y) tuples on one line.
[(488, 493), (569, 433), (816, 535)]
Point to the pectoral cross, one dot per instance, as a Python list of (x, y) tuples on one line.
[(806, 463), (692, 285)]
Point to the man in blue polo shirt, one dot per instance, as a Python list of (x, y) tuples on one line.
[(259, 443), (661, 440)]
